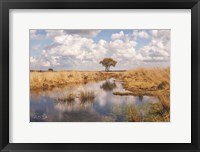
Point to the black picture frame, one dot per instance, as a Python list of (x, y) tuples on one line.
[(5, 5)]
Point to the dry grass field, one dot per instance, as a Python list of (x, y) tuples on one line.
[(49, 80), (139, 80), (146, 81)]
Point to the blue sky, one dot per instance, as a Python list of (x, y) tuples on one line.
[(83, 49)]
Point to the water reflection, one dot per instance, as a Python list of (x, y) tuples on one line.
[(108, 85), (86, 103)]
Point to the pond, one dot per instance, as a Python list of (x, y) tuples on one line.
[(45, 106)]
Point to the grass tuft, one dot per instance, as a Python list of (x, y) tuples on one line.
[(133, 115), (87, 96), (66, 97)]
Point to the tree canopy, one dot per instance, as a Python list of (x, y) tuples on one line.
[(50, 69), (107, 63)]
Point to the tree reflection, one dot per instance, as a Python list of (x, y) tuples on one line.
[(108, 85), (140, 98)]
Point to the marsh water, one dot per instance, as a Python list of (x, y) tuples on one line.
[(104, 107)]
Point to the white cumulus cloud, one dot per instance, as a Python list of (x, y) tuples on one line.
[(140, 34), (158, 50), (119, 35)]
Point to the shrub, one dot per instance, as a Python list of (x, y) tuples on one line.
[(50, 69)]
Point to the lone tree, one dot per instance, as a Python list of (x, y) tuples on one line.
[(50, 69), (107, 63)]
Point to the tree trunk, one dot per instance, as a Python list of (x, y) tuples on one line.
[(107, 68)]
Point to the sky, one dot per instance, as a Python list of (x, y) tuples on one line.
[(84, 49)]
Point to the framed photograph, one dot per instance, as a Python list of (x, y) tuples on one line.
[(99, 75)]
